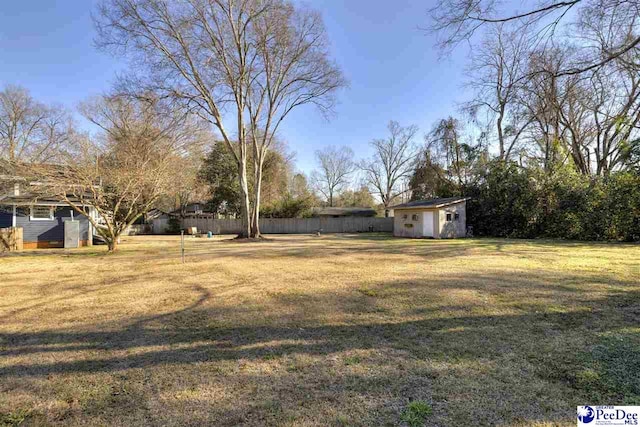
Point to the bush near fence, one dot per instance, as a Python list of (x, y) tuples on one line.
[(293, 225)]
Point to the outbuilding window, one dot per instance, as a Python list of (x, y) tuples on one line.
[(456, 216), (414, 217), (42, 213), (448, 217)]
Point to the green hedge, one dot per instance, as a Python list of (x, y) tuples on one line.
[(509, 201)]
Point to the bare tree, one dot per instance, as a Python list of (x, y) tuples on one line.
[(31, 131), (114, 180), (562, 86), (9, 176), (543, 96), (186, 187), (612, 92), (457, 21), (392, 163), (615, 112), (184, 168), (294, 69), (495, 75), (196, 52), (591, 121), (246, 63), (448, 146), (336, 165)]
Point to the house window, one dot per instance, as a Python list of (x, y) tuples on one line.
[(414, 217), (448, 217), (404, 216), (456, 216), (41, 213)]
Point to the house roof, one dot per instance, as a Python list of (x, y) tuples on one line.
[(31, 171), (156, 213), (28, 200), (431, 203), (192, 208), (353, 211), (30, 176)]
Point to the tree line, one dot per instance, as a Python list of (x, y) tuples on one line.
[(548, 144), (236, 67)]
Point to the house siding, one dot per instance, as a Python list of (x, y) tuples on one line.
[(49, 231), (6, 216), (409, 227), (443, 229), (453, 229)]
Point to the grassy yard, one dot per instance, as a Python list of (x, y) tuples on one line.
[(335, 330)]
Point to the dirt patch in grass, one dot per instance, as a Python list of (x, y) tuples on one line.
[(354, 330)]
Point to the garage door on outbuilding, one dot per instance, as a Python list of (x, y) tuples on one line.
[(444, 218)]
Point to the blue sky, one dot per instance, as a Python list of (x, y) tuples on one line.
[(393, 67)]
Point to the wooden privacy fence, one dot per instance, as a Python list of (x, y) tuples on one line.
[(11, 239), (136, 229), (293, 225), (159, 225)]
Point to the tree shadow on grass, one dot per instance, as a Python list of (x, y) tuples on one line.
[(546, 342), (365, 244)]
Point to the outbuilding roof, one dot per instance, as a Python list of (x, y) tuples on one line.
[(431, 203)]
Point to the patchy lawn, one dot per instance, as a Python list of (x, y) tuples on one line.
[(337, 330)]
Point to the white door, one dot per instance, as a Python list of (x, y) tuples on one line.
[(427, 224)]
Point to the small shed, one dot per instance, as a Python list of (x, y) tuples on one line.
[(444, 218)]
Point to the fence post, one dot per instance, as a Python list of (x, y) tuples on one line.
[(18, 238), (182, 244)]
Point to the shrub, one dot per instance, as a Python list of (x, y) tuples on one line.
[(173, 226), (504, 204), (288, 207), (509, 201)]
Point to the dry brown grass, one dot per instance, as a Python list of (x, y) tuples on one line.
[(336, 330)]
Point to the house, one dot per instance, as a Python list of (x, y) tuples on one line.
[(43, 219), (331, 212), (444, 218), (192, 209)]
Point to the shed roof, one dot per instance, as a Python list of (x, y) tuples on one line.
[(431, 203)]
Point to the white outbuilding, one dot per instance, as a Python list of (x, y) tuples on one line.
[(444, 218)]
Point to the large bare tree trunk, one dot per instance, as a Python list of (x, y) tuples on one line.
[(501, 144), (266, 57), (112, 245), (386, 200), (255, 220), (246, 204)]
